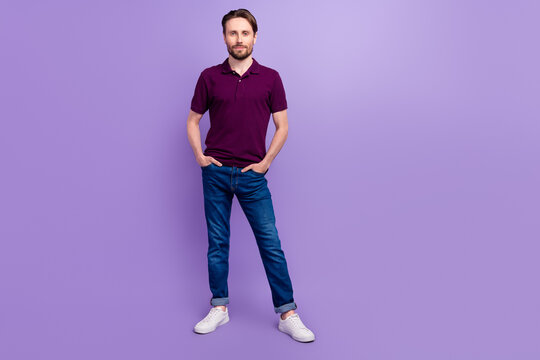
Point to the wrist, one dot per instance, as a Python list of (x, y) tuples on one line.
[(266, 163), (200, 158)]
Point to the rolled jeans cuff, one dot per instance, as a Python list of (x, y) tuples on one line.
[(219, 301), (285, 308)]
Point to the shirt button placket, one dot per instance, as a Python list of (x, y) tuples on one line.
[(239, 90), (237, 94)]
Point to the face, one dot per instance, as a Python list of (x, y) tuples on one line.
[(239, 38)]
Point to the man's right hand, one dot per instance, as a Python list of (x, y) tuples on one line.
[(207, 160)]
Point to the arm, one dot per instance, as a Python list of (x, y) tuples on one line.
[(194, 137), (282, 129)]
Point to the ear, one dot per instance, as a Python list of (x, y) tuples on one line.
[(254, 38)]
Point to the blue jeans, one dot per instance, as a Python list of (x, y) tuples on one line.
[(220, 184)]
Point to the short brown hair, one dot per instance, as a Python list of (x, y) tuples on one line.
[(243, 13)]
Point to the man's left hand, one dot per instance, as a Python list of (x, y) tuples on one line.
[(258, 167)]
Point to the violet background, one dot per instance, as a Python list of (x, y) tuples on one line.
[(406, 195)]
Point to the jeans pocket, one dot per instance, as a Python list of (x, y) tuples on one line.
[(258, 173), (204, 167)]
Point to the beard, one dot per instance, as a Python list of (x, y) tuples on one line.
[(240, 54)]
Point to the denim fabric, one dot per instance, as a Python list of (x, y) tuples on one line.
[(220, 184)]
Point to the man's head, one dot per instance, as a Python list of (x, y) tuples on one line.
[(239, 33)]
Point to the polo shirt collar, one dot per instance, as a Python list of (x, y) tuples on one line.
[(253, 69)]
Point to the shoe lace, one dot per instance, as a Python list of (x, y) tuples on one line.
[(211, 315), (296, 322)]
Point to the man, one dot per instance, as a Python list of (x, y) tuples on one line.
[(240, 95)]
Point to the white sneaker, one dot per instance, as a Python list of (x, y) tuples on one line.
[(215, 318), (293, 326)]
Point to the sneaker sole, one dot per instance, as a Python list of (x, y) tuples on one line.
[(223, 322), (298, 339)]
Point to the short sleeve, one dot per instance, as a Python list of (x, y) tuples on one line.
[(199, 102), (278, 100)]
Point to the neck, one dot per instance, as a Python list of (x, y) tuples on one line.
[(240, 66)]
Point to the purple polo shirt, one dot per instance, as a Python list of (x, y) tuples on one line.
[(240, 108)]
